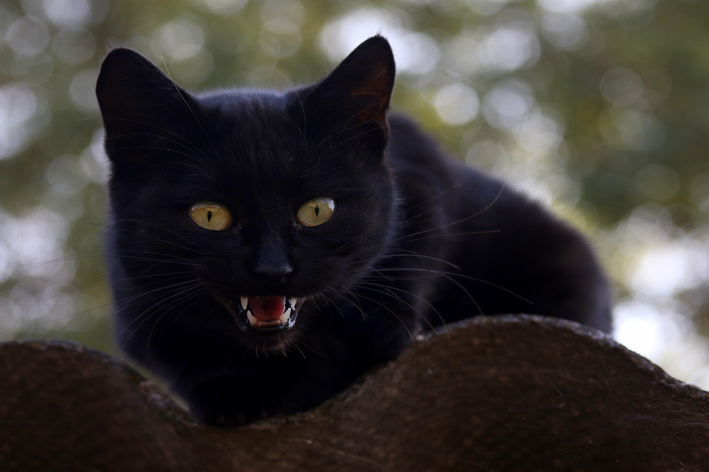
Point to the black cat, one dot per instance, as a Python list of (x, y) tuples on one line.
[(267, 248)]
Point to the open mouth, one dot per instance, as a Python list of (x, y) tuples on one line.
[(265, 314)]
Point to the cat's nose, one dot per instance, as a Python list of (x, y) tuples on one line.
[(272, 263), (272, 270)]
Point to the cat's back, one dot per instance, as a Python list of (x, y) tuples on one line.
[(424, 169), (411, 149), (529, 260)]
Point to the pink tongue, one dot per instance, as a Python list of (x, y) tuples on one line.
[(267, 308)]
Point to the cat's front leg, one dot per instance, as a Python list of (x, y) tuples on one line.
[(230, 399), (274, 386)]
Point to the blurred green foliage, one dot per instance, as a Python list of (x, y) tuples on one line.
[(599, 108)]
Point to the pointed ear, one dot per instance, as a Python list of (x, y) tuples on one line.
[(139, 103), (358, 91)]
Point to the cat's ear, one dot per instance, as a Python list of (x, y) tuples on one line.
[(138, 102), (358, 91)]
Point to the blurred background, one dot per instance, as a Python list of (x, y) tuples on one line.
[(597, 108)]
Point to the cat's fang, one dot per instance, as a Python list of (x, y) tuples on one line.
[(292, 302), (285, 316), (244, 302), (252, 319)]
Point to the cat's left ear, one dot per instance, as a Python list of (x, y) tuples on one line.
[(358, 91)]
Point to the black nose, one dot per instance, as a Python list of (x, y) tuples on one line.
[(272, 263), (274, 270)]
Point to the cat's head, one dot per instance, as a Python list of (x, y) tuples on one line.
[(246, 204)]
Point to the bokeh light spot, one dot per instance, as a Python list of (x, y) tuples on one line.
[(506, 105), (457, 104), (68, 12), (181, 39), (28, 37)]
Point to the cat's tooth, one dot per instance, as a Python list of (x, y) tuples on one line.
[(244, 302), (252, 318), (285, 316), (292, 302)]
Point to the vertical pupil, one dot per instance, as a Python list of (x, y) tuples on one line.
[(209, 215), (317, 211)]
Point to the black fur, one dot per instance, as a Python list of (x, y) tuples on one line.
[(417, 240)]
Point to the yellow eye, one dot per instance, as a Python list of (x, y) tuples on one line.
[(211, 216), (316, 211)]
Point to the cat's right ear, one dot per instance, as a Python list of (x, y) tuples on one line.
[(139, 103)]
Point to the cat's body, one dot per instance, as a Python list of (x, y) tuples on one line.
[(416, 240)]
